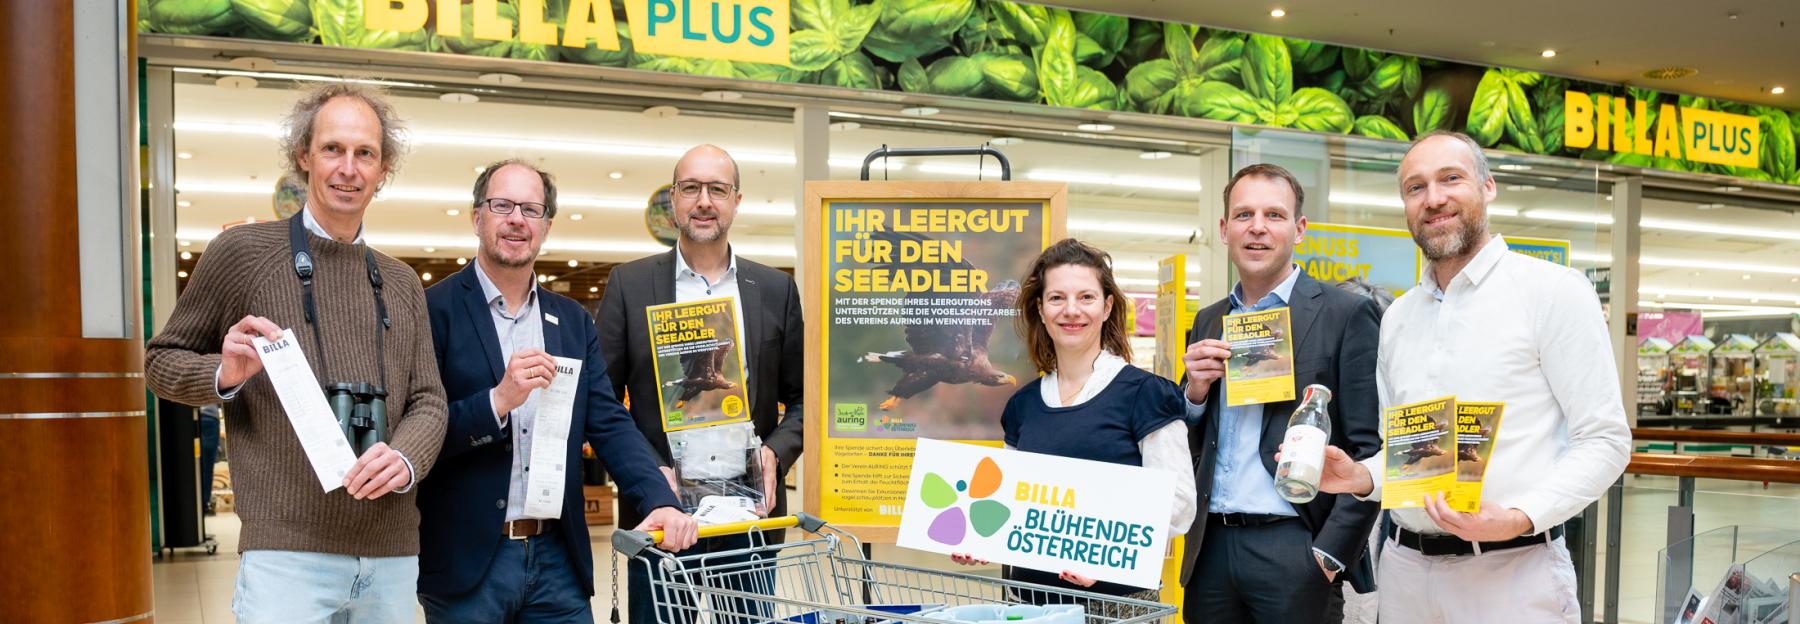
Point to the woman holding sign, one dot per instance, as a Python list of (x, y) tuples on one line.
[(1091, 402)]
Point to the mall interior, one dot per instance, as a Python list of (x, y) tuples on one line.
[(144, 129)]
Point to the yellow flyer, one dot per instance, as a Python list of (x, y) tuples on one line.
[(699, 374), (1477, 433), (1419, 457), (1261, 368)]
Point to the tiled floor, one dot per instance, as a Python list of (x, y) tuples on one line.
[(194, 588)]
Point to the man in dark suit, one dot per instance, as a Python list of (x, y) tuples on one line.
[(487, 554), (705, 197), (1251, 555)]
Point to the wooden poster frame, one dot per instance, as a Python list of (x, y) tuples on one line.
[(1053, 195)]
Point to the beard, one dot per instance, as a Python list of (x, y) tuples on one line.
[(490, 249), (688, 231), (1452, 242)]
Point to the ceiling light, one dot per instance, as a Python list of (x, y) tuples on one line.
[(540, 279), (459, 97), (661, 112), (722, 95), (1712, 206), (550, 279), (1095, 127), (1746, 276), (1728, 189), (1755, 301), (616, 175), (452, 212), (1548, 53), (426, 276), (1154, 155), (479, 170), (1520, 187), (593, 289), (187, 255), (181, 274), (430, 250), (235, 82), (1513, 167), (1277, 13), (461, 261), (184, 155), (1670, 73), (1777, 90), (186, 243), (919, 111), (574, 263), (500, 78), (843, 126), (183, 203), (575, 216), (1007, 140)]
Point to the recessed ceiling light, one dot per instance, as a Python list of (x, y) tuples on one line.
[(1746, 276), (430, 250), (661, 112), (575, 217), (1548, 53), (235, 82), (187, 255), (499, 78), (1006, 140), (841, 126), (540, 279), (426, 276), (593, 289), (184, 155), (251, 63), (574, 263), (458, 97), (1095, 127), (1277, 13), (722, 95), (183, 203), (1670, 73), (181, 274), (1154, 155), (1513, 167), (452, 212), (1777, 89), (1728, 189), (186, 243), (461, 261), (550, 279), (919, 111), (616, 175)]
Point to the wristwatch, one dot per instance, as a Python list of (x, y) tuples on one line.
[(1330, 564)]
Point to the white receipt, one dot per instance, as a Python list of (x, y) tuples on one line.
[(550, 442), (304, 401), (725, 510)]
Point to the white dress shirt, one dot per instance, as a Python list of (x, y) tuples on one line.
[(1520, 330), (1164, 449), (516, 332), (692, 286)]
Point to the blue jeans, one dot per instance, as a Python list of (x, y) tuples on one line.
[(530, 580), (289, 586)]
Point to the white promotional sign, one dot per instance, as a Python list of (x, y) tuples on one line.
[(1107, 522)]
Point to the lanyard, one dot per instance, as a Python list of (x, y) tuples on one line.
[(303, 268)]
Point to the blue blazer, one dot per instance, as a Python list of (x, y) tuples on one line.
[(462, 503)]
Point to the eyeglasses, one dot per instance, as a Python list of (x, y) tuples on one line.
[(718, 191), (503, 206)]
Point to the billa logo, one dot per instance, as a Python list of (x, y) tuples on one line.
[(1622, 125), (987, 517), (753, 31)]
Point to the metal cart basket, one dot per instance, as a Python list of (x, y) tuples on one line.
[(825, 579)]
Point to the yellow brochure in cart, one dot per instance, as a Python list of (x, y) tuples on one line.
[(1477, 435), (1261, 368), (1419, 457), (699, 374)]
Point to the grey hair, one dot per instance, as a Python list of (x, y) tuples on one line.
[(1481, 164), (297, 128), (549, 181)]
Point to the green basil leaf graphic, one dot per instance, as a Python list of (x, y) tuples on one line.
[(855, 24), (1521, 125), (974, 33), (1487, 112), (1178, 44), (469, 45), (341, 23), (1268, 71), (1312, 57), (812, 50), (1385, 81), (1359, 63), (1411, 77), (1223, 59), (1010, 76), (914, 28), (194, 17), (1521, 77), (1147, 81), (913, 78), (1318, 110), (1550, 127), (1379, 127), (955, 75), (1218, 100), (621, 57), (1144, 41), (1107, 33), (1333, 82), (765, 71), (815, 14), (284, 20), (1022, 23), (1093, 89), (854, 71), (1432, 111), (1056, 61), (1777, 156)]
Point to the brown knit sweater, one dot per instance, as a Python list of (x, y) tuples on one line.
[(248, 270)]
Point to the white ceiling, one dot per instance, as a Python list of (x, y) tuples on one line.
[(1612, 41)]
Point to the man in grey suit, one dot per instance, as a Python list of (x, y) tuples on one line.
[(1251, 555), (702, 265)]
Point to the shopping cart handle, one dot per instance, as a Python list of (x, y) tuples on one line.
[(630, 543)]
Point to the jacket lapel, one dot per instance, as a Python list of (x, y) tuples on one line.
[(750, 302), (662, 284), (553, 331), (477, 309), (1303, 313)]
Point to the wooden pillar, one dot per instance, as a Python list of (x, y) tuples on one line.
[(75, 516)]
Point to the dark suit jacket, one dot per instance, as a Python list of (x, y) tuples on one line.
[(1336, 335), (462, 504), (774, 332)]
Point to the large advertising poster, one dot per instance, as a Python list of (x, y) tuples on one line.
[(1383, 257), (914, 332)]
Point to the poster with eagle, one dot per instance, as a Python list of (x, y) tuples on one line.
[(917, 302), (699, 372), (1477, 433), (1420, 455)]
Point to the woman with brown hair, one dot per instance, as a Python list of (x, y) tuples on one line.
[(1091, 402)]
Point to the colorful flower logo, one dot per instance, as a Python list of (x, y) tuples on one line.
[(952, 524)]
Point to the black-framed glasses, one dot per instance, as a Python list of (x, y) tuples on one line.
[(503, 206), (718, 191)]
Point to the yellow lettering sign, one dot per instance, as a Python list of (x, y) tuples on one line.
[(754, 31), (1623, 125)]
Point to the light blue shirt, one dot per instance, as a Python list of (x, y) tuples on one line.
[(516, 332), (1240, 482)]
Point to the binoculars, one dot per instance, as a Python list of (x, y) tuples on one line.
[(361, 411)]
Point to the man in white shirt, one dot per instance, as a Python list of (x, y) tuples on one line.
[(1488, 325)]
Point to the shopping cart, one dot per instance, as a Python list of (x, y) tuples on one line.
[(825, 579)]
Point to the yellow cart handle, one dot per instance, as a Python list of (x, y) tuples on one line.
[(630, 543)]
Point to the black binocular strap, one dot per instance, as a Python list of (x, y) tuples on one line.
[(303, 268)]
